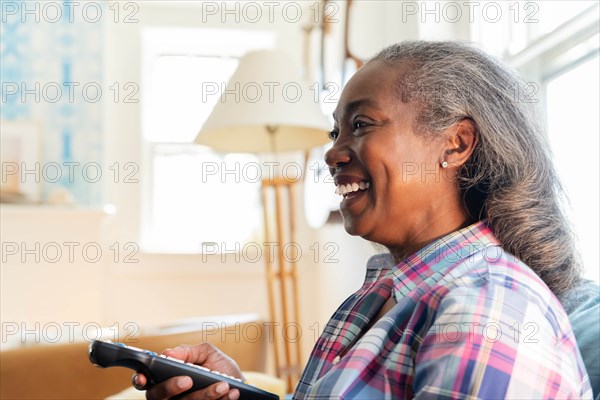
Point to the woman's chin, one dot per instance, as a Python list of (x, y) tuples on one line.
[(353, 225)]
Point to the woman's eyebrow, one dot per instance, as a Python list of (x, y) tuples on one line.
[(353, 105)]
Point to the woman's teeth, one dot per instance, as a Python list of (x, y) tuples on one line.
[(351, 187)]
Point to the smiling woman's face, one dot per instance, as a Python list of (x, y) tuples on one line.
[(399, 196)]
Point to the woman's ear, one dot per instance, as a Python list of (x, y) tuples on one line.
[(462, 138)]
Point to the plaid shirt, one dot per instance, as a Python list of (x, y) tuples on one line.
[(470, 321)]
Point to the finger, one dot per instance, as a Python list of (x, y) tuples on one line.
[(169, 388), (139, 381), (194, 354), (216, 391)]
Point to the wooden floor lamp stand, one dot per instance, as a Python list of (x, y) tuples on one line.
[(281, 260)]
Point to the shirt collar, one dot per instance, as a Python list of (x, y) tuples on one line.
[(381, 261), (430, 263)]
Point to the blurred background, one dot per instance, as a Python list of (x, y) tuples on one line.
[(111, 214)]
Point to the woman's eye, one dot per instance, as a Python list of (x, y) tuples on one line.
[(333, 135), (359, 124)]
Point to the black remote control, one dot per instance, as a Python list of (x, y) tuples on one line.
[(158, 368)]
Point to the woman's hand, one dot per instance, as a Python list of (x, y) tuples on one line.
[(205, 355)]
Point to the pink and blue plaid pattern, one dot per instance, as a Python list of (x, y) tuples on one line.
[(470, 322)]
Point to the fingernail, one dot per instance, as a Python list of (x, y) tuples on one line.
[(184, 382), (234, 395), (222, 387)]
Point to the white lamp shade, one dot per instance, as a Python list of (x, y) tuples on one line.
[(265, 92)]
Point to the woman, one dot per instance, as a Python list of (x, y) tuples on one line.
[(438, 157)]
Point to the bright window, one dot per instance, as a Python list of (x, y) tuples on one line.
[(180, 100), (195, 199), (196, 205), (572, 110)]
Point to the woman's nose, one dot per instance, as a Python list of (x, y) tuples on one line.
[(338, 155)]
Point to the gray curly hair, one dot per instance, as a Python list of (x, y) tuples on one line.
[(509, 180)]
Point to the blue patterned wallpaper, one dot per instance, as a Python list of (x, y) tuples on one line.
[(51, 72)]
